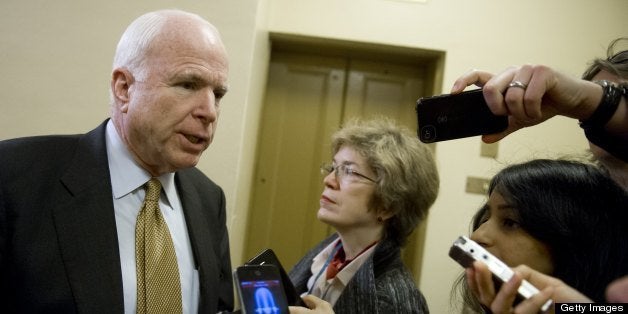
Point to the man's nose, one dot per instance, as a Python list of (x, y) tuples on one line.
[(207, 109)]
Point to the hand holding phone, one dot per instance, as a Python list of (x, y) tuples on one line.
[(260, 289), (465, 251), (453, 116)]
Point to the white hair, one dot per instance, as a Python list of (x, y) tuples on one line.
[(139, 36)]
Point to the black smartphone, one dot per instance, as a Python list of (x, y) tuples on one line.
[(260, 289), (268, 257), (465, 251), (453, 116)]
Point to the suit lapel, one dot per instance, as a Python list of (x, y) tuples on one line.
[(86, 229), (359, 295), (201, 241)]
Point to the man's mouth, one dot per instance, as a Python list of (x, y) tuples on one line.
[(193, 139)]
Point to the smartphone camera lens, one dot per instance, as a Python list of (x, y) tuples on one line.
[(428, 133), (258, 273)]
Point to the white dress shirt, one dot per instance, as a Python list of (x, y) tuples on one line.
[(127, 181)]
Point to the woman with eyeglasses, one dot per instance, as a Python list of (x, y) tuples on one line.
[(377, 189)]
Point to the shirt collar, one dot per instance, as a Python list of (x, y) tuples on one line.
[(323, 255), (346, 274), (126, 175)]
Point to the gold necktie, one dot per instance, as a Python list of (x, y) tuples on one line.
[(158, 286)]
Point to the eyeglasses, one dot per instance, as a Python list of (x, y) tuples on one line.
[(342, 171)]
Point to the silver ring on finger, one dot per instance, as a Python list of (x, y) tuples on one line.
[(518, 84)]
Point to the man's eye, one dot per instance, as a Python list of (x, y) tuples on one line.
[(188, 85), (219, 94)]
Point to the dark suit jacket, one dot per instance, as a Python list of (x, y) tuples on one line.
[(58, 241), (382, 284)]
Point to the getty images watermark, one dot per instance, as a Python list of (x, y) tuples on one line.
[(591, 308)]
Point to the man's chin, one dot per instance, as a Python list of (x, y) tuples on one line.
[(185, 161)]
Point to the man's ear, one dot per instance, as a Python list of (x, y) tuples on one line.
[(121, 80)]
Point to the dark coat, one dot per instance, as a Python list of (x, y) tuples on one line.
[(58, 241), (382, 284)]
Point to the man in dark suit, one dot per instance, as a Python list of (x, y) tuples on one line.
[(69, 204)]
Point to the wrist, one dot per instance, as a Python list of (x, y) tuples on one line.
[(607, 105)]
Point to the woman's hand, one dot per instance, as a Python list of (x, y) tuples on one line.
[(314, 306), (544, 94), (481, 284)]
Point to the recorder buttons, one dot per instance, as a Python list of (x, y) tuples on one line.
[(428, 134)]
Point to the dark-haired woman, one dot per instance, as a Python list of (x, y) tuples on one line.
[(561, 218)]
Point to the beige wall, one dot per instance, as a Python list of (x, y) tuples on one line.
[(55, 62)]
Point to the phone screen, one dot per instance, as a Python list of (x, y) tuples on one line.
[(263, 296), (260, 290)]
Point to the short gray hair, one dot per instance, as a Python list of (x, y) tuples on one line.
[(407, 178)]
